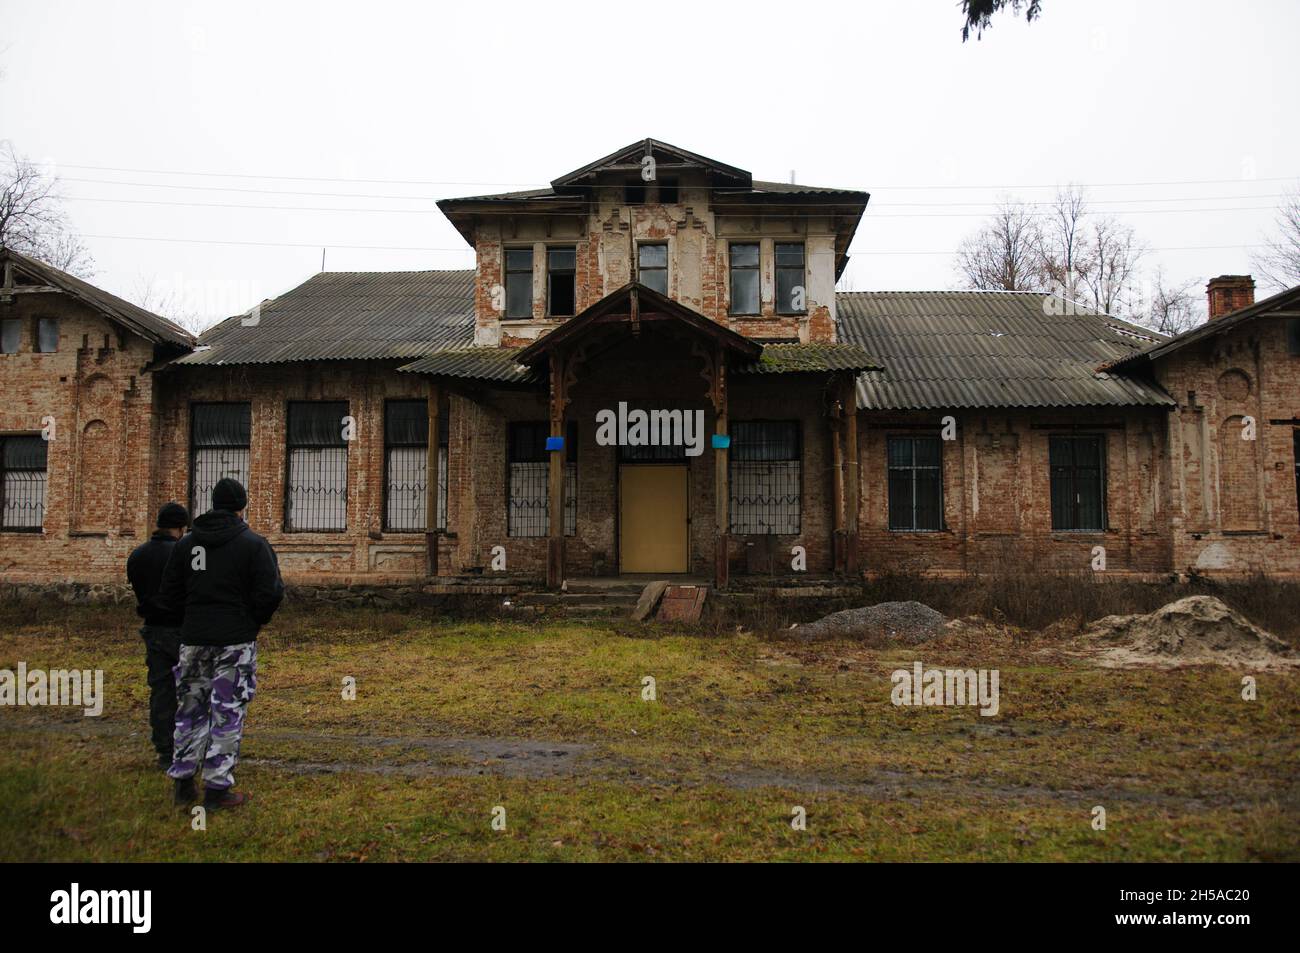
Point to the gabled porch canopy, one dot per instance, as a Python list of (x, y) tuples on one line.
[(632, 306)]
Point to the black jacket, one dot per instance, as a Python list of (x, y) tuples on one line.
[(237, 589), (144, 569)]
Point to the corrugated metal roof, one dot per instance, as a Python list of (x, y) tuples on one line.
[(493, 364), (148, 325), (349, 316), (808, 359), (956, 349)]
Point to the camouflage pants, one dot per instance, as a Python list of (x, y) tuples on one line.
[(214, 684)]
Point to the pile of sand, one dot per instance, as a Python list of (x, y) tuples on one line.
[(898, 622), (1198, 630)]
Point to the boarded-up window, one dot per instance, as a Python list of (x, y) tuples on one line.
[(23, 476), (1238, 476), (765, 477), (528, 502), (316, 491), (219, 448), (915, 484), (1078, 465), (406, 461)]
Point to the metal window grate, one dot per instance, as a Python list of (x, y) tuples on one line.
[(915, 484), (23, 480), (1078, 465), (765, 477), (528, 500), (406, 441), (316, 491), (219, 448)]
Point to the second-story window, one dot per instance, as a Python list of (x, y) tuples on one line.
[(744, 278), (791, 296), (652, 267), (11, 333), (561, 291), (47, 335), (519, 282)]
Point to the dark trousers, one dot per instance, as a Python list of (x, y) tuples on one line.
[(162, 653)]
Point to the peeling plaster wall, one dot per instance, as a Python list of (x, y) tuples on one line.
[(606, 239)]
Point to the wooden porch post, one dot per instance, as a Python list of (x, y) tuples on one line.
[(852, 488), (555, 485), (721, 486), (431, 482)]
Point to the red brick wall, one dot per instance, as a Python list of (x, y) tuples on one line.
[(96, 389), (364, 549), (1234, 501), (997, 493)]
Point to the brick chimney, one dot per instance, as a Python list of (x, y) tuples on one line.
[(1230, 292)]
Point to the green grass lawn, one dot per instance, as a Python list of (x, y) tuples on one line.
[(453, 719)]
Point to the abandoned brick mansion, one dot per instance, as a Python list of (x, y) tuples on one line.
[(649, 371)]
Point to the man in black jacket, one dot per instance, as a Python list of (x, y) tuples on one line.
[(228, 580), (162, 627)]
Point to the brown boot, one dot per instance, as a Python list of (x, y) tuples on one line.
[(219, 799)]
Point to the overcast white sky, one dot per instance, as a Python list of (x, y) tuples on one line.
[(404, 103)]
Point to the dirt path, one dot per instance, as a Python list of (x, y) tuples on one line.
[(465, 756)]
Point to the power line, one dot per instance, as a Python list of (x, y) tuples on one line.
[(304, 178), (420, 198), (432, 211), (467, 249)]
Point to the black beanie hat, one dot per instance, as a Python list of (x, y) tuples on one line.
[(173, 516), (229, 494)]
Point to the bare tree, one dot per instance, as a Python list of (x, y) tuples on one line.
[(1172, 308), (1280, 262), (1062, 240), (32, 218), (170, 302), (1109, 268), (1005, 254)]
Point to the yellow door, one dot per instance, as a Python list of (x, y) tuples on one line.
[(652, 518)]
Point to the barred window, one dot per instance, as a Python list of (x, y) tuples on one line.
[(791, 297), (219, 443), (1295, 440), (528, 503), (23, 475), (406, 446), (765, 474), (316, 491), (1078, 467), (915, 484)]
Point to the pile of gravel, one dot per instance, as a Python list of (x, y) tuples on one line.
[(904, 622)]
